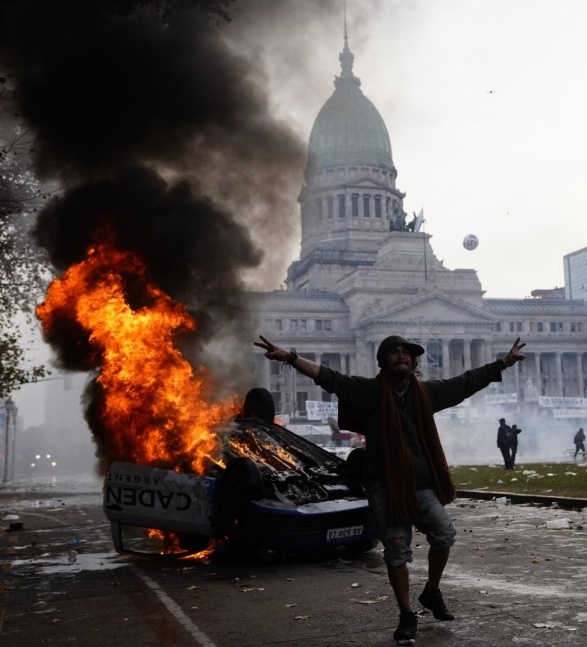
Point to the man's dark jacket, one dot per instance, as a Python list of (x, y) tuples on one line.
[(362, 396)]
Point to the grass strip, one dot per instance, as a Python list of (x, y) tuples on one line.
[(545, 479)]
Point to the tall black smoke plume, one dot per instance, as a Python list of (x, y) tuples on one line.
[(165, 130)]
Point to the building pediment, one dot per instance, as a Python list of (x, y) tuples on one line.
[(429, 307)]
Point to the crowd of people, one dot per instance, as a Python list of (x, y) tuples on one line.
[(507, 442)]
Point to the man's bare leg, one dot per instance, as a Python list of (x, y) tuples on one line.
[(431, 597), (437, 560), (399, 579)]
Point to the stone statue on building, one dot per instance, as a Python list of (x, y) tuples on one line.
[(531, 391), (398, 219), (411, 226)]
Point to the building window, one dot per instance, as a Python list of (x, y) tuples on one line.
[(341, 206), (539, 326), (330, 207), (511, 326), (355, 205), (519, 326), (303, 325), (388, 205), (377, 206), (293, 325), (277, 399), (498, 326), (279, 324), (319, 208), (556, 326), (327, 325), (367, 206), (301, 399), (318, 326)]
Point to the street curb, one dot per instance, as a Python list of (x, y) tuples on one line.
[(568, 503)]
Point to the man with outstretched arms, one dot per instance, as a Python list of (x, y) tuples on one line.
[(406, 475)]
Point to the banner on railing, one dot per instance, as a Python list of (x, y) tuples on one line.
[(501, 398), (562, 403), (318, 410)]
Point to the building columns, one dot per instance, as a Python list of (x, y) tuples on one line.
[(517, 379), (538, 377), (580, 378), (266, 372), (445, 346), (559, 372), (317, 390), (467, 353)]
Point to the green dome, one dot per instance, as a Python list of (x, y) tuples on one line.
[(348, 130)]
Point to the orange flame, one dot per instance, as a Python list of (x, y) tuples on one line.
[(171, 545), (153, 409), (203, 554)]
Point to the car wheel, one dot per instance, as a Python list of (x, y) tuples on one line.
[(259, 404), (356, 459), (351, 471), (240, 484)]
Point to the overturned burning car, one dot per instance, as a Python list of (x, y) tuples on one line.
[(273, 492)]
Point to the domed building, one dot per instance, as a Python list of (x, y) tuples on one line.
[(349, 197), (366, 270)]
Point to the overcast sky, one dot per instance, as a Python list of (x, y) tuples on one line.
[(485, 102)]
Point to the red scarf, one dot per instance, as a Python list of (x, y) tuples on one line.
[(397, 458)]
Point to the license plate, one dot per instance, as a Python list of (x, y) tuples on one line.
[(343, 533)]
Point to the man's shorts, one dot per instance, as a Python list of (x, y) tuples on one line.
[(433, 521)]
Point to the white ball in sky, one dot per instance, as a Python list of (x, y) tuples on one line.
[(470, 242)]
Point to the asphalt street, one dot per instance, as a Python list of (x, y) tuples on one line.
[(511, 580)]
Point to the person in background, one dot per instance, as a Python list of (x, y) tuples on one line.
[(579, 441), (406, 475), (515, 431), (504, 436)]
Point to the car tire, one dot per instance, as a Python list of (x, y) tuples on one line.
[(352, 470), (259, 404), (240, 484), (356, 459)]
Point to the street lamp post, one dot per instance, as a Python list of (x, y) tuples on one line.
[(10, 408), (13, 452)]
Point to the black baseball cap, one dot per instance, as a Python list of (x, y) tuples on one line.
[(389, 343)]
